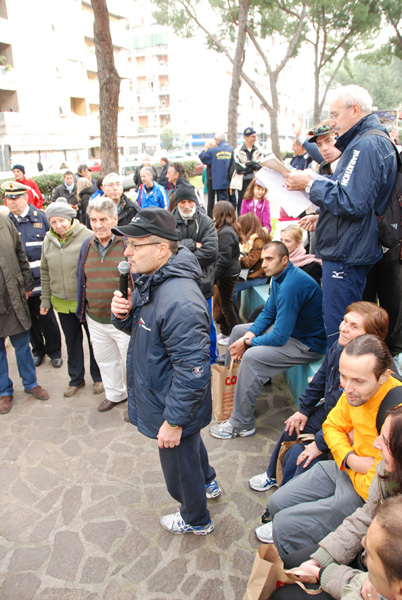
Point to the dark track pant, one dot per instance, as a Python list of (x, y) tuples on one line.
[(187, 470), (72, 329)]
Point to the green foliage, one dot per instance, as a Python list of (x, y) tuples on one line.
[(382, 81), (392, 11), (46, 183), (190, 166), (167, 138)]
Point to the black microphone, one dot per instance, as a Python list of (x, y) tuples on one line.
[(124, 270)]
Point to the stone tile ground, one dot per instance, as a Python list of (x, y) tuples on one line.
[(82, 494)]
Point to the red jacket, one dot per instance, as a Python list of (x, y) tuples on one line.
[(35, 197)]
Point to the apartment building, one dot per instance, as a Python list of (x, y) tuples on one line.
[(49, 92)]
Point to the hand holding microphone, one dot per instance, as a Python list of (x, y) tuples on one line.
[(121, 302), (124, 270)]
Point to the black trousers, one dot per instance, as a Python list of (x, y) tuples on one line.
[(44, 332), (224, 298), (384, 283), (72, 329), (186, 470)]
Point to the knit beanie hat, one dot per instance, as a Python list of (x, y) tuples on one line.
[(19, 167), (60, 208), (185, 192)]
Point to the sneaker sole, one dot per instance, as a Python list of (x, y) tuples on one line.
[(262, 489), (229, 436), (214, 494), (201, 532)]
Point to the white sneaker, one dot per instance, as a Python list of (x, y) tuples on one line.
[(175, 524), (224, 341), (226, 431), (220, 336), (264, 533), (262, 483)]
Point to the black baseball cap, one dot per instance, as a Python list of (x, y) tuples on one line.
[(150, 221)]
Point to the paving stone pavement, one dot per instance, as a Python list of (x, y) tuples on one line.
[(82, 494)]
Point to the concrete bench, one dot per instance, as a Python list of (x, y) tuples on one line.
[(297, 377)]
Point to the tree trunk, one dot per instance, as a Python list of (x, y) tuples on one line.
[(273, 116), (238, 60), (109, 88)]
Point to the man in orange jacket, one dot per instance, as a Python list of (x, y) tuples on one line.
[(313, 504)]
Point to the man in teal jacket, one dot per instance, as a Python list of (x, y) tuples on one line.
[(289, 331)]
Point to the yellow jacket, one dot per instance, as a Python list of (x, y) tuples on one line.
[(344, 418)]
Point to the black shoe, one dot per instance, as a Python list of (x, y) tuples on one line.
[(266, 517), (220, 360), (57, 362), (38, 360)]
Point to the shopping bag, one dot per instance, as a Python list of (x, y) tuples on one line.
[(268, 575), (302, 438), (224, 381)]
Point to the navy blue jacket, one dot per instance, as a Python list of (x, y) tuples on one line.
[(294, 307), (219, 158), (32, 230), (168, 369), (324, 385), (365, 174)]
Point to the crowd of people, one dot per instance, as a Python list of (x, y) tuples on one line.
[(187, 265)]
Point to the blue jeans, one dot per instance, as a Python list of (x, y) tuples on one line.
[(289, 467), (245, 285), (25, 364)]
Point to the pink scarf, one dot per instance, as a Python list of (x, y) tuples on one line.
[(299, 257)]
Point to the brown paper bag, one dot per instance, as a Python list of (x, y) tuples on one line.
[(303, 438), (224, 381), (268, 575)]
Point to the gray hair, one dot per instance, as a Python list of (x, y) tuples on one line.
[(354, 94), (221, 137), (102, 204), (147, 170), (110, 178)]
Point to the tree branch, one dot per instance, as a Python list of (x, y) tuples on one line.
[(294, 41)]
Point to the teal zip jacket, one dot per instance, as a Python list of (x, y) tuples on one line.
[(294, 308)]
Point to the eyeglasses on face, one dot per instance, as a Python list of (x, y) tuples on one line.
[(335, 115), (135, 246), (113, 184)]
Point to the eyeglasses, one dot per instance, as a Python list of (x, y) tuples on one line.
[(113, 184), (135, 246), (334, 115)]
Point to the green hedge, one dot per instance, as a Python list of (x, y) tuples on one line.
[(46, 183)]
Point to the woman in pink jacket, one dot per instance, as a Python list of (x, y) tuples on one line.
[(255, 200)]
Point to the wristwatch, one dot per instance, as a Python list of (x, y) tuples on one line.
[(307, 187)]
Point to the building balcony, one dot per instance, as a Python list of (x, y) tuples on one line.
[(148, 130), (9, 122), (8, 79), (146, 110), (118, 30), (5, 32)]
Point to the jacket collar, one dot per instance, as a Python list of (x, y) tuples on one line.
[(366, 123), (282, 276)]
